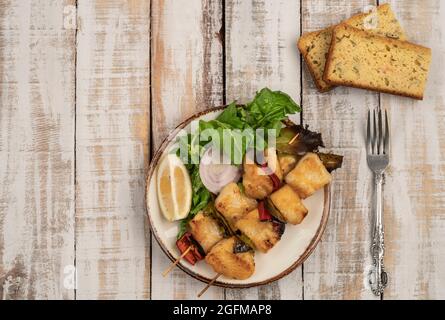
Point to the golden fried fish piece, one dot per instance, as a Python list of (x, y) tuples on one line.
[(263, 234), (257, 181), (205, 230), (308, 176), (289, 204), (233, 204), (287, 163), (224, 259)]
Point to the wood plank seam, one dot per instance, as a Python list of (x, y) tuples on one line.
[(222, 37), (301, 120), (150, 149), (75, 150)]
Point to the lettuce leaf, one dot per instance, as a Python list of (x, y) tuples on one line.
[(297, 139), (200, 199)]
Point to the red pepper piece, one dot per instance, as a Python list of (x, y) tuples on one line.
[(196, 253), (186, 242), (275, 180), (263, 213), (264, 165)]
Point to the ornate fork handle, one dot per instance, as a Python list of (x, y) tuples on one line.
[(378, 278)]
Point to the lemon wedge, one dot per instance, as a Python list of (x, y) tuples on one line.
[(174, 188)]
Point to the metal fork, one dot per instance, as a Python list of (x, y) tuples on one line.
[(377, 146)]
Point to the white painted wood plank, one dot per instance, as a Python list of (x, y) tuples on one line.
[(37, 68), (338, 267), (112, 236), (261, 51), (414, 192), (186, 77)]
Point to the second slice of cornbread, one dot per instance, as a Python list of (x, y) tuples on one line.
[(314, 46), (363, 60)]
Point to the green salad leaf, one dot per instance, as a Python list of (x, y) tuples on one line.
[(266, 110), (200, 195), (200, 198), (233, 116), (297, 139), (269, 108)]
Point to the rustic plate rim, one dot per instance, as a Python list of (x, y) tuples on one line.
[(310, 248)]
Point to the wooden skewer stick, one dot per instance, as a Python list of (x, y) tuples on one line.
[(208, 285), (293, 139), (170, 268)]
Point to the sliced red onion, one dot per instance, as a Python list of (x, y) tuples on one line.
[(216, 175)]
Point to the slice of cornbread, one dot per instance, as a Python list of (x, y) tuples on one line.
[(363, 60), (314, 46)]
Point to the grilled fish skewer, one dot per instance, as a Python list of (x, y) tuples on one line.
[(263, 234), (308, 176), (232, 258), (286, 205), (259, 181), (232, 203), (205, 230), (243, 216)]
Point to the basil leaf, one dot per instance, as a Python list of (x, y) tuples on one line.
[(231, 116), (269, 107)]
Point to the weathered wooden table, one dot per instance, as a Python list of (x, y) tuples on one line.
[(83, 106)]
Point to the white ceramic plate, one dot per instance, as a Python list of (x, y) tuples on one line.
[(296, 244)]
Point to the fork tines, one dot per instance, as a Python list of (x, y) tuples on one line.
[(377, 137)]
